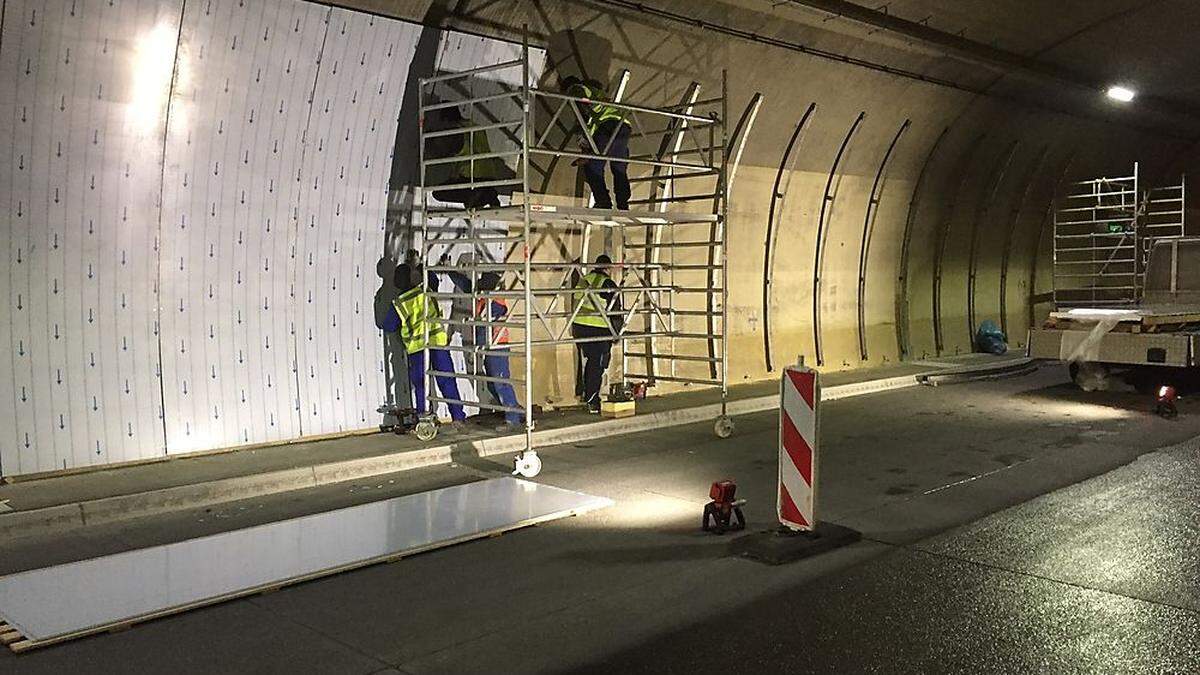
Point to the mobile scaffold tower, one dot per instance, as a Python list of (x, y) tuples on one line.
[(1103, 231), (669, 248)]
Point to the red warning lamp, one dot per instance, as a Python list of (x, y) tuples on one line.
[(723, 508), (1165, 403)]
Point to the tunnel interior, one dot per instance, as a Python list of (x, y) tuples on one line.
[(206, 199)]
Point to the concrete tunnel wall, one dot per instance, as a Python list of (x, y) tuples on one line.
[(962, 204)]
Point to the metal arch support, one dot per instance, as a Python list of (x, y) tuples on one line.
[(1014, 218), (772, 231), (864, 246), (671, 142), (1041, 231), (981, 214), (942, 236), (818, 255), (733, 156), (910, 218)]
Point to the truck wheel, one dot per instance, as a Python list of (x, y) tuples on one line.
[(1091, 376)]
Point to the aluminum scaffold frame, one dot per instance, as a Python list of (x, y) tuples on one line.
[(1103, 231), (669, 252)]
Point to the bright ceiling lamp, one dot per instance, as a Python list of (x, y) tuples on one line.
[(1122, 94)]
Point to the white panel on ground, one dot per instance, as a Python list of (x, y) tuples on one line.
[(341, 217), (86, 89), (66, 601)]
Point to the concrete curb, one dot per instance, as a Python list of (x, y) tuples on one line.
[(65, 517)]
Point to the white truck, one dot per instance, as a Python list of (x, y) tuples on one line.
[(1126, 286)]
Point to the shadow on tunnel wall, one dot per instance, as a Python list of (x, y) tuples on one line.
[(398, 234)]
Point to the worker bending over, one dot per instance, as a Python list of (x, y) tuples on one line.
[(418, 313), (472, 169), (609, 130), (598, 321)]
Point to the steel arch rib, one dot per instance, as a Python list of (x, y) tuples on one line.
[(981, 213), (902, 277), (864, 246), (772, 231), (741, 131), (818, 254), (1014, 218), (942, 236)]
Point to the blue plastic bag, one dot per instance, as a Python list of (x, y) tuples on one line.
[(989, 339)]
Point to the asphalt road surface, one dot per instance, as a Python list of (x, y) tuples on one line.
[(1016, 525)]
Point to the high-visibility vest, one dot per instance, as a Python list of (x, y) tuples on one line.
[(591, 305), (600, 111), (485, 169), (417, 310), (499, 333)]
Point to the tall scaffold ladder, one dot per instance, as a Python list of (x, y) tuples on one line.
[(1096, 243), (668, 248)]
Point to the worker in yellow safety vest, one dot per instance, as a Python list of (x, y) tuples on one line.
[(419, 314), (609, 129), (472, 169), (597, 323)]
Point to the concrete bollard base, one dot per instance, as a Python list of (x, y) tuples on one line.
[(781, 545)]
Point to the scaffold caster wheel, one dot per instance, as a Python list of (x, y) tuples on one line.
[(527, 464), (723, 427), (426, 430)]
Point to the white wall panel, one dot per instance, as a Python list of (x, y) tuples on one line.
[(85, 84), (197, 189), (340, 229), (231, 184)]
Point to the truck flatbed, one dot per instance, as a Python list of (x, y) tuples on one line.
[(1147, 319)]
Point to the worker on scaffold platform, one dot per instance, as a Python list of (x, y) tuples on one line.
[(417, 312), (609, 131)]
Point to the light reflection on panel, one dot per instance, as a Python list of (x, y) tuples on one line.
[(66, 599), (85, 86), (230, 189)]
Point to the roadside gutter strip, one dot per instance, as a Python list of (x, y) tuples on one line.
[(65, 517)]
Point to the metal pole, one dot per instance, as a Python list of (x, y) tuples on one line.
[(423, 249), (724, 242), (526, 112)]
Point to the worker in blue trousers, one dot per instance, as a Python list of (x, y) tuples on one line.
[(609, 131), (418, 313), (495, 363)]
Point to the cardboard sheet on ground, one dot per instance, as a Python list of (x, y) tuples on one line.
[(57, 603)]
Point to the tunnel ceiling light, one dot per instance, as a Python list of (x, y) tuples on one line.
[(1122, 94)]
